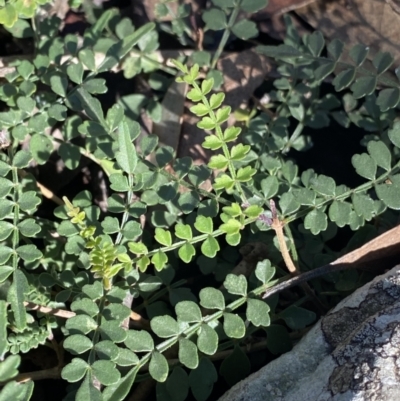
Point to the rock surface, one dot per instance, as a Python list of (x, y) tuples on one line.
[(352, 354)]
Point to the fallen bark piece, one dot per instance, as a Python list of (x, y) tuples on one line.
[(352, 354)]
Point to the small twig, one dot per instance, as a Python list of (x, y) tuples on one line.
[(47, 193), (137, 319), (277, 226), (52, 373), (50, 311)]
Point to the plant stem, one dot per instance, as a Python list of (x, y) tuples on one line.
[(225, 37)]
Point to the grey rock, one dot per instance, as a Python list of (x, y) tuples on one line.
[(351, 354)]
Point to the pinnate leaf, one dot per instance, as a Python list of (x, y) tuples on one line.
[(257, 312), (365, 166), (236, 284), (234, 326), (158, 367)]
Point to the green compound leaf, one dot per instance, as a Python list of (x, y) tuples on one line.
[(188, 311), (107, 350), (388, 99), (75, 370), (264, 271), (234, 210), (91, 105), (315, 43), (207, 340), (77, 344), (339, 212), (363, 206), (28, 227), (87, 391), (210, 247), (216, 100), (344, 79), (6, 229), (5, 253), (126, 155), (288, 203), (86, 306), (112, 330), (305, 196), (207, 123), (93, 291), (382, 62), (188, 201), (41, 148), (231, 133), (380, 153), (394, 134), (202, 379), (59, 84), (253, 211), (236, 284), (163, 237), (186, 252), (257, 312), (158, 367), (29, 253), (16, 297), (126, 357), (297, 318), (204, 224), (138, 248), (212, 142), (86, 56), (75, 73), (364, 86), (58, 112), (234, 326), (139, 341), (365, 166), (105, 372), (233, 239), (5, 272), (177, 384), (245, 29), (9, 366), (26, 104), (389, 194), (195, 95), (244, 174), (232, 226), (323, 185), (316, 221), (188, 355), (159, 260), (119, 390), (359, 53), (183, 231), (218, 162), (22, 159), (215, 19), (212, 298), (235, 367), (238, 152), (70, 155), (81, 324), (200, 110), (206, 86), (223, 182), (164, 326)]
